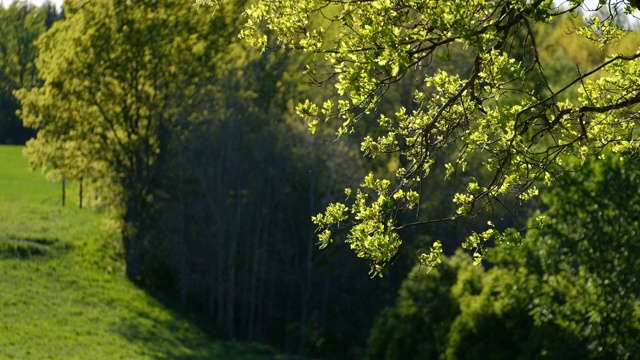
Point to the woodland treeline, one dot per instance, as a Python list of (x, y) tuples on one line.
[(20, 26), (190, 137)]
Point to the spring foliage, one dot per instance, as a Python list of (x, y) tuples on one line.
[(121, 83), (188, 133), (499, 104)]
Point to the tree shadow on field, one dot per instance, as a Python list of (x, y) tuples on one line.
[(168, 335)]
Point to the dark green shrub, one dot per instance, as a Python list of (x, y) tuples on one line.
[(417, 327)]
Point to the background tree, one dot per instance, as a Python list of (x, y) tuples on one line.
[(582, 262), (567, 291), (191, 137), (244, 187), (116, 78), (417, 327), (20, 25)]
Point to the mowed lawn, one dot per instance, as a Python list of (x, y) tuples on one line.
[(63, 294)]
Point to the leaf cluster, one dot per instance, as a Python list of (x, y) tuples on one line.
[(502, 106)]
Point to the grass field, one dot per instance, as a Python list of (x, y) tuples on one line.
[(63, 294), (17, 183)]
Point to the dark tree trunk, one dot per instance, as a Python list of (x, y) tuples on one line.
[(63, 190), (133, 231), (80, 193), (134, 256)]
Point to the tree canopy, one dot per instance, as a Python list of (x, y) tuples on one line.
[(188, 133), (20, 24), (117, 80), (508, 124), (569, 290), (578, 270)]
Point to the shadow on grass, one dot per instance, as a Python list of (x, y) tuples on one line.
[(174, 337), (27, 248)]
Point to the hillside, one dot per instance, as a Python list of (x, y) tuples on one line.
[(63, 294)]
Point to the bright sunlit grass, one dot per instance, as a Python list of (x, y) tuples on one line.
[(17, 182)]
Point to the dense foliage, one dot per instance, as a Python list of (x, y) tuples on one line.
[(20, 26), (417, 327), (568, 291), (508, 123), (190, 136), (117, 77), (582, 262)]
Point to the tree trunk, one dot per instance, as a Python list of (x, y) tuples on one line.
[(63, 190), (80, 193), (132, 237), (134, 256), (231, 268)]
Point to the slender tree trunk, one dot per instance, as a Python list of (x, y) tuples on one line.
[(80, 193), (231, 267), (134, 255), (133, 231), (63, 190), (261, 300), (307, 282), (257, 253), (220, 265)]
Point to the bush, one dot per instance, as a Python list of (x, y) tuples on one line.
[(568, 291), (418, 326)]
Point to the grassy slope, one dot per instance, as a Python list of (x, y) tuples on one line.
[(66, 297)]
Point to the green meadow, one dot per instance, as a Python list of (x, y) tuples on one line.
[(63, 293), (18, 184)]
